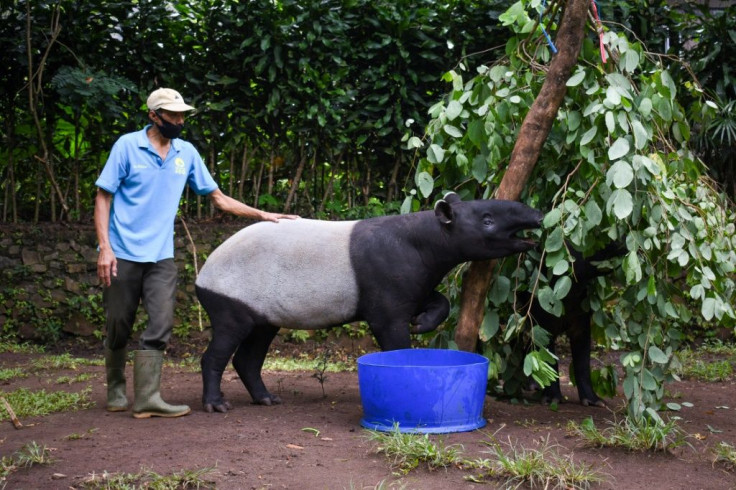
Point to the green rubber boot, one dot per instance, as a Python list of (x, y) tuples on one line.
[(115, 369), (147, 381)]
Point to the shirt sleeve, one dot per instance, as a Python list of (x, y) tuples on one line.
[(115, 169), (200, 179)]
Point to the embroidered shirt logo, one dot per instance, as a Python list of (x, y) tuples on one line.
[(180, 167)]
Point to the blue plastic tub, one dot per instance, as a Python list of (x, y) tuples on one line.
[(423, 390)]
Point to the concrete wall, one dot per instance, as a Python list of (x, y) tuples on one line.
[(48, 277)]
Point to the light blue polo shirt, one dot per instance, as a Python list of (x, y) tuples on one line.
[(146, 193)]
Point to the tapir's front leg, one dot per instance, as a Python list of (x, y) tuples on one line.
[(433, 312), (579, 334)]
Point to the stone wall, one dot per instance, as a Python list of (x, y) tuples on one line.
[(48, 277)]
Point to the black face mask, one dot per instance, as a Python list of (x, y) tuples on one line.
[(167, 129)]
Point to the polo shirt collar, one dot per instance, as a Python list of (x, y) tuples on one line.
[(143, 141)]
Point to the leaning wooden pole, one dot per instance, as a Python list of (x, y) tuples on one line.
[(532, 135)]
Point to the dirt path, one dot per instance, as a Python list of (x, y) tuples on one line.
[(256, 447)]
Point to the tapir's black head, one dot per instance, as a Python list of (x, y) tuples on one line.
[(487, 229)]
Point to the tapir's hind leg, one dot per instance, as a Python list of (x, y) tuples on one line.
[(230, 326), (248, 361)]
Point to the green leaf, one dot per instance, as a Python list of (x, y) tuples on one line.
[(588, 136), (645, 107), (425, 183), (562, 287), (435, 154), (593, 214), (641, 136), (708, 309), (453, 131), (555, 240), (632, 268), (657, 355), (576, 79), (454, 108), (620, 174), (630, 61), (490, 325), (619, 149), (620, 203), (500, 289), (552, 218), (480, 168), (668, 82)]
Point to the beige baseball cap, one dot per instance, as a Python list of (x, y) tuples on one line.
[(167, 99)]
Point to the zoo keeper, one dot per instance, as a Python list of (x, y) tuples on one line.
[(136, 204)]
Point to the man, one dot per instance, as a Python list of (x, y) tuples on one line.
[(137, 200)]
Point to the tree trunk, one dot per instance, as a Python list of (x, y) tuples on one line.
[(532, 135), (297, 178)]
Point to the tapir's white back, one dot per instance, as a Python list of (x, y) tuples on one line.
[(296, 273)]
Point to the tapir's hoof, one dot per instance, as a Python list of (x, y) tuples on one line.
[(553, 400), (222, 406), (268, 400), (593, 403)]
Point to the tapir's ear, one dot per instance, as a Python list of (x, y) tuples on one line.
[(443, 211), (452, 198)]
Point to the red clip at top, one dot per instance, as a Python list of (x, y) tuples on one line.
[(599, 28)]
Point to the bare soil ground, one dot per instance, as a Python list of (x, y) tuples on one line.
[(258, 447)]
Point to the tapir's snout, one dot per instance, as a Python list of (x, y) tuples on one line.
[(533, 220)]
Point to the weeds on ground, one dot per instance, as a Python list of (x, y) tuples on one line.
[(62, 361), (542, 467), (382, 485), (405, 451), (726, 455), (12, 373), (29, 455), (27, 403), (275, 363), (180, 480), (68, 380), (635, 435), (695, 366), (12, 346)]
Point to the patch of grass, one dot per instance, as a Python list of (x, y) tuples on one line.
[(696, 364), (63, 361), (11, 346), (76, 436), (12, 373), (305, 364), (541, 467), (27, 403), (29, 455), (641, 435), (726, 455), (188, 364), (405, 451), (382, 485), (179, 480), (74, 379)]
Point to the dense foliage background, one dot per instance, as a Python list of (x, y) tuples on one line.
[(302, 105)]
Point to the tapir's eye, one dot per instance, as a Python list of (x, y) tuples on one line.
[(487, 220)]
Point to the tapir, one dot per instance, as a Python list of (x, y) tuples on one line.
[(575, 324), (311, 274)]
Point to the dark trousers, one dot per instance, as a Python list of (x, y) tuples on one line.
[(153, 284)]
